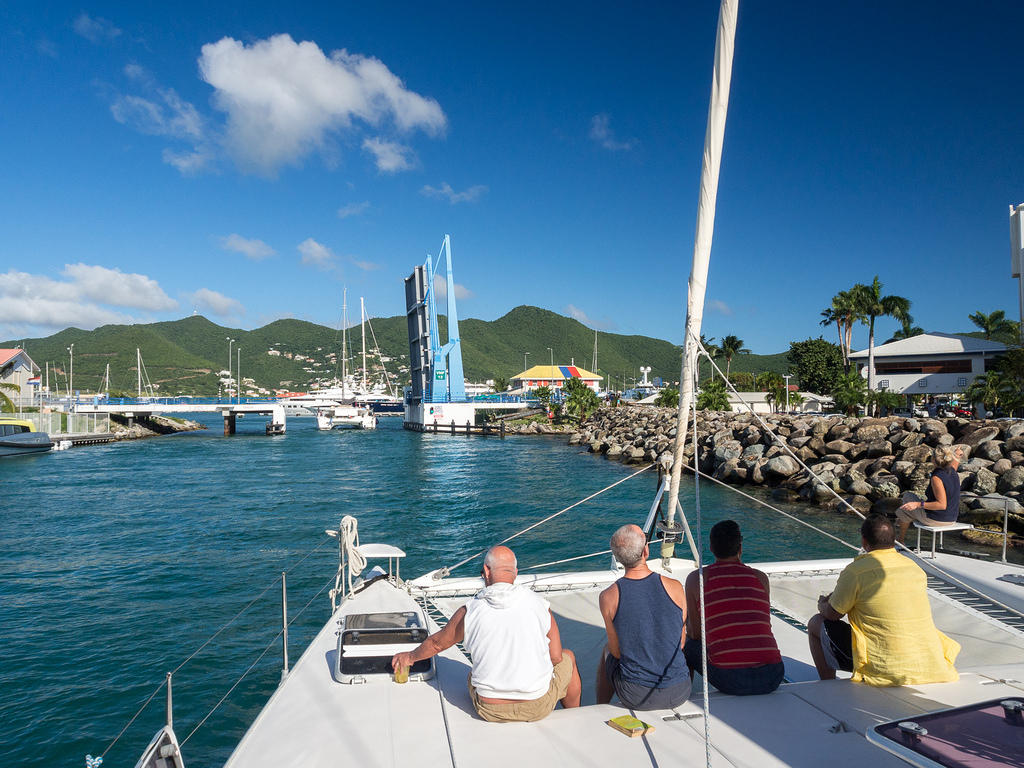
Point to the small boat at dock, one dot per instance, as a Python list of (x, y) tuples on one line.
[(18, 436)]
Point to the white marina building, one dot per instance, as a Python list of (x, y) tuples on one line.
[(930, 363)]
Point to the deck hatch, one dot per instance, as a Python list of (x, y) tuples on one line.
[(367, 642)]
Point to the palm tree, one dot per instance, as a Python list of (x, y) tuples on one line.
[(871, 303), (710, 346), (500, 384), (907, 330), (713, 396), (6, 404), (844, 313), (849, 393), (731, 346), (993, 322)]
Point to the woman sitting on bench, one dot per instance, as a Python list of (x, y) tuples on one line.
[(942, 500)]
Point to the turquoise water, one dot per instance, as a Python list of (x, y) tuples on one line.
[(118, 561)]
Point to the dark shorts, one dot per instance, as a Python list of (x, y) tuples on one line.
[(741, 681), (640, 697), (837, 643)]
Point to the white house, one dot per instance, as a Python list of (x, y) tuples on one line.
[(17, 368), (929, 364), (758, 402)]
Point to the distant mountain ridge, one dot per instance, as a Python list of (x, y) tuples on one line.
[(184, 356)]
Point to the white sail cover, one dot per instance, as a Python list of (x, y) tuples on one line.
[(713, 139)]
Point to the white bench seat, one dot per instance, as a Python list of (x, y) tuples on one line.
[(939, 530)]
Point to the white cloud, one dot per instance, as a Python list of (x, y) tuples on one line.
[(353, 209), (441, 289), (390, 156), (578, 314), (47, 48), (285, 100), (215, 303), (601, 132), (253, 248), (366, 266), (95, 30), (117, 288), (719, 307), (315, 254), (445, 191), (85, 298), (170, 116)]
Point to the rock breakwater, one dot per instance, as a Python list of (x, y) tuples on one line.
[(869, 462)]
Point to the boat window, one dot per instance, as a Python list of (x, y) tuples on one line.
[(6, 429)]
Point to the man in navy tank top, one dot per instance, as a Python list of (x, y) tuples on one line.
[(743, 657), (644, 614)]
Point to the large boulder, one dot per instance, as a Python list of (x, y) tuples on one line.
[(876, 448), (754, 451), (984, 482), (917, 454), (1013, 429), (910, 439), (980, 435), (870, 432), (839, 432), (996, 503), (1001, 466), (1015, 443), (857, 487), (781, 467), (728, 450), (1011, 481), (992, 450)]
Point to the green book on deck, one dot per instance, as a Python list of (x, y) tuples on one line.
[(630, 726)]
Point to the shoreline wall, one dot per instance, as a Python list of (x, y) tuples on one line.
[(869, 462)]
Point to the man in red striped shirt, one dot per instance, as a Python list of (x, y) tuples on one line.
[(743, 657)]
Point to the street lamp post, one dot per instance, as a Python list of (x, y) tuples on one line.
[(71, 377), (524, 360), (787, 377), (238, 389), (230, 342), (552, 357)]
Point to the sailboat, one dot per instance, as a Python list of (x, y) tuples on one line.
[(338, 705), (375, 398), (345, 414)]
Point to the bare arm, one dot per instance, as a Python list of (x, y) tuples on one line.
[(554, 641), (826, 610), (438, 642), (609, 604), (693, 605)]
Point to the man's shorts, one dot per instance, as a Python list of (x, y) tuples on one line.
[(640, 697), (837, 643), (530, 710), (736, 681)]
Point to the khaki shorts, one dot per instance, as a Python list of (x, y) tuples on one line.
[(530, 710), (919, 515)]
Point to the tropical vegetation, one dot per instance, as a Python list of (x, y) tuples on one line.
[(667, 398), (713, 396), (994, 323), (500, 384), (6, 404), (906, 330), (844, 312), (818, 364), (580, 399), (850, 393), (729, 348), (871, 304)]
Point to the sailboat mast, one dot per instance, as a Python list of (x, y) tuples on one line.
[(344, 352), (713, 139), (362, 332), (138, 368)]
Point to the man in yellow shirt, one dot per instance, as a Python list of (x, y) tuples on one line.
[(891, 639)]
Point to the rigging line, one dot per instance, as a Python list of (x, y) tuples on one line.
[(440, 694), (900, 547), (566, 560), (774, 509), (387, 379), (247, 607), (447, 570), (235, 685), (253, 665), (134, 717), (700, 577)]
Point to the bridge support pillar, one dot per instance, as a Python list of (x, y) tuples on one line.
[(229, 423)]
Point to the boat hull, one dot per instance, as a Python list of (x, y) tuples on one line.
[(24, 443)]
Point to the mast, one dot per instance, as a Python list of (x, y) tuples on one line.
[(138, 368), (344, 324), (362, 332), (713, 139), (593, 364)]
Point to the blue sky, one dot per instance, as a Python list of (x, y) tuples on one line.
[(251, 161)]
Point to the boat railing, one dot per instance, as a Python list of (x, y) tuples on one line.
[(267, 593)]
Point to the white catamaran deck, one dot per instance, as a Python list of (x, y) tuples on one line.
[(313, 720)]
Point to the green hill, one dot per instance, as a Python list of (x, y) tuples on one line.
[(184, 356)]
